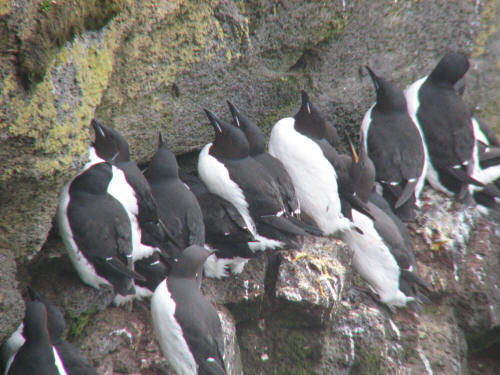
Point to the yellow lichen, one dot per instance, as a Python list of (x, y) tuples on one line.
[(488, 15), (54, 144), (4, 7)]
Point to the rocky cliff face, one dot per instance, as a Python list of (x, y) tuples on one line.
[(144, 67)]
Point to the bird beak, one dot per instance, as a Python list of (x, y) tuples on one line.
[(235, 113), (98, 128), (305, 101), (161, 139), (353, 150), (214, 121), (374, 78)]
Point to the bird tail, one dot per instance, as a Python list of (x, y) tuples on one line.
[(407, 192)]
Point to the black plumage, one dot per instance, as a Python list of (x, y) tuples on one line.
[(36, 355), (199, 322), (395, 146), (446, 123), (225, 228), (265, 205), (73, 360), (109, 143), (101, 228)]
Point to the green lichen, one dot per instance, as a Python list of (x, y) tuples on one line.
[(287, 91), (289, 349), (78, 323), (4, 7), (56, 23), (52, 144), (488, 27), (372, 361)]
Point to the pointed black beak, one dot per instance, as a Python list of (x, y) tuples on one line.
[(235, 113), (98, 128), (33, 293), (161, 139), (215, 122), (374, 78), (305, 101)]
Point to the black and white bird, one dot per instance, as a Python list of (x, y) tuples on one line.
[(96, 231), (293, 142), (486, 158), (177, 205), (36, 355), (391, 230), (72, 360), (445, 121), (149, 233), (225, 230), (257, 149), (257, 146), (227, 170), (185, 323), (340, 162), (396, 147)]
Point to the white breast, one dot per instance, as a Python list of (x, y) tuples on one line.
[(216, 177), (486, 175), (58, 362), (12, 346), (169, 332), (313, 177), (83, 267), (123, 192), (412, 103), (374, 262)]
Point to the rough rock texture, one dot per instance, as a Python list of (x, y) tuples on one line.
[(144, 66), (11, 303)]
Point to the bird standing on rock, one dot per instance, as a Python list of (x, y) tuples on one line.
[(149, 232), (227, 169), (178, 208), (36, 355), (313, 176), (396, 147), (96, 231), (185, 323), (445, 121), (390, 228), (225, 230)]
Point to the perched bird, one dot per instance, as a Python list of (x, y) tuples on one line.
[(225, 230), (275, 168), (149, 232), (340, 162), (177, 205), (36, 355), (71, 358), (96, 231), (228, 171), (389, 227), (445, 121), (257, 148), (154, 269), (486, 165), (186, 324), (396, 147), (486, 158), (293, 142)]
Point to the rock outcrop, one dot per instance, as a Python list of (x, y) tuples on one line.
[(148, 66)]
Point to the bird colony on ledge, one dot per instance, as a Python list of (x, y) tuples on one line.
[(156, 233)]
